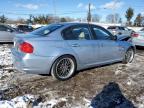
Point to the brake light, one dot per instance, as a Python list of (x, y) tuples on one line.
[(135, 35), (26, 47)]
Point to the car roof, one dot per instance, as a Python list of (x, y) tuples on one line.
[(76, 23), (70, 23)]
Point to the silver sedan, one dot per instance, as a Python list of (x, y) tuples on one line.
[(62, 49), (7, 33), (138, 38)]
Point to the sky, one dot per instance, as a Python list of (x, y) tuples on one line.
[(68, 8)]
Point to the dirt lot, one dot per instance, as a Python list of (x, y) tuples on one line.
[(81, 90)]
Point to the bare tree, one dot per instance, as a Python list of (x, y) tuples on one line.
[(63, 20), (113, 18), (21, 21), (96, 18), (43, 19)]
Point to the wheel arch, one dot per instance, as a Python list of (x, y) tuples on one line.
[(76, 61), (133, 47)]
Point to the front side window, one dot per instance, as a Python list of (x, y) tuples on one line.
[(101, 33), (76, 33)]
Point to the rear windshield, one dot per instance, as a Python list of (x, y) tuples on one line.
[(111, 27), (47, 29)]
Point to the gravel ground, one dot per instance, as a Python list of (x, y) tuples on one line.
[(119, 85)]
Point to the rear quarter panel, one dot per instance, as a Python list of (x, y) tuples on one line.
[(51, 48)]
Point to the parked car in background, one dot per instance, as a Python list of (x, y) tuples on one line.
[(24, 28), (138, 38), (7, 33), (120, 30), (61, 49)]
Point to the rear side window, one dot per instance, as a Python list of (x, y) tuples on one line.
[(76, 33), (47, 29)]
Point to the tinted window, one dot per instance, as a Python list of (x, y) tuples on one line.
[(24, 27), (77, 33), (122, 28), (3, 28), (47, 29), (112, 27), (101, 33)]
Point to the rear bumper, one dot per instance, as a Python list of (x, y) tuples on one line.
[(30, 63)]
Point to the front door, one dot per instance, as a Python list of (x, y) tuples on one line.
[(108, 48)]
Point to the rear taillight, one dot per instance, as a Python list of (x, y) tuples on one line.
[(135, 35), (26, 47)]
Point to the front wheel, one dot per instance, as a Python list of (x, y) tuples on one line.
[(63, 68), (129, 56)]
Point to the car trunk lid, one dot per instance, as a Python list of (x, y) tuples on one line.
[(20, 38)]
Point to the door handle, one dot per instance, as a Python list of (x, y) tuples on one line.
[(75, 45)]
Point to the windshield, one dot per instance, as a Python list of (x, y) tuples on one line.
[(47, 29)]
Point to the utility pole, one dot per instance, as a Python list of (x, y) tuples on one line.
[(114, 13), (89, 17), (54, 7)]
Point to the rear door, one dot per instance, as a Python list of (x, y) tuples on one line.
[(108, 48), (78, 38)]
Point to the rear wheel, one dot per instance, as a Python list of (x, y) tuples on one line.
[(63, 68), (129, 56)]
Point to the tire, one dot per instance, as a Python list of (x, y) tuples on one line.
[(129, 56), (63, 68)]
